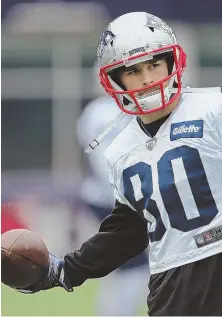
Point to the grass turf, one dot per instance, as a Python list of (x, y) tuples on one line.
[(55, 302)]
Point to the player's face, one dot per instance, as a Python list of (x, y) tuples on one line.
[(143, 74)]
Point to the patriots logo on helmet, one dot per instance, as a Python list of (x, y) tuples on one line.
[(106, 38), (155, 22)]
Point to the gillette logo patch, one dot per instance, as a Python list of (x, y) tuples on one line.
[(186, 129)]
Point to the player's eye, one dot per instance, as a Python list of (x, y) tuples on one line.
[(132, 71), (153, 66)]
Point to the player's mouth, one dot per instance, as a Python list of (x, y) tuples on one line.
[(148, 92)]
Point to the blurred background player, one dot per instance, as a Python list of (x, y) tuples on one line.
[(123, 291)]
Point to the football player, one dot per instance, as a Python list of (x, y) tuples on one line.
[(166, 172)]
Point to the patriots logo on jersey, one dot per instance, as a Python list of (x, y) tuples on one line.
[(186, 129)]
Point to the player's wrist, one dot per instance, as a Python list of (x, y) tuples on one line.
[(64, 281), (54, 277)]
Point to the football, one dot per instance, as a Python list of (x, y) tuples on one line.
[(24, 258)]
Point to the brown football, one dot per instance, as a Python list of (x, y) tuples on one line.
[(25, 258)]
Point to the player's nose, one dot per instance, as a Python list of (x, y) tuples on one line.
[(147, 78)]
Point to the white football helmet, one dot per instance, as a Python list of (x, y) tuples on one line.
[(134, 38)]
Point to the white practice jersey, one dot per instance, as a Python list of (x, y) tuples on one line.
[(174, 180)]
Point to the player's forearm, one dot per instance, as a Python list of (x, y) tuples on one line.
[(121, 236)]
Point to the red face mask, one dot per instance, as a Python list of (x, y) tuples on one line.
[(160, 95)]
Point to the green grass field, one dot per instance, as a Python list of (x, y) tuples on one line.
[(56, 302)]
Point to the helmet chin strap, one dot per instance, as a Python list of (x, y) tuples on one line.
[(97, 141)]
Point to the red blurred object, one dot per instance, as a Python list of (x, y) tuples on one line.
[(9, 218)]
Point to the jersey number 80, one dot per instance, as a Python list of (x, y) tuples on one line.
[(178, 214)]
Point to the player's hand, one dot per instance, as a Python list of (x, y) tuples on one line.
[(54, 277)]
